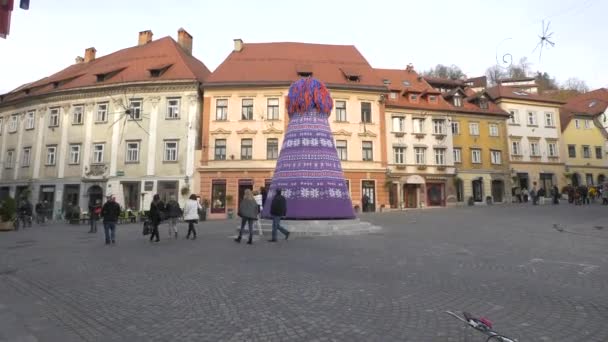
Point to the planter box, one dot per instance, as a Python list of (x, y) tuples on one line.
[(6, 226)]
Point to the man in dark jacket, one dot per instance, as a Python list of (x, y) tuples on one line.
[(110, 212), (174, 212), (278, 209)]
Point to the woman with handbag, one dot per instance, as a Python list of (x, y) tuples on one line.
[(156, 216), (191, 215), (248, 211)]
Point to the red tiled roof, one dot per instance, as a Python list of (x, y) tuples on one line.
[(590, 104), (279, 63), (499, 91), (444, 81), (477, 82), (135, 63)]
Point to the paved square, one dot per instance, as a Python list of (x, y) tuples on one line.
[(507, 263)]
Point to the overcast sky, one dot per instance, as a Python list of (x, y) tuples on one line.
[(390, 34)]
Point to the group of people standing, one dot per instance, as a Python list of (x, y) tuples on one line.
[(581, 195), (537, 195)]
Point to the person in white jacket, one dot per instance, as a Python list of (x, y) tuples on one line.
[(258, 199), (191, 215)]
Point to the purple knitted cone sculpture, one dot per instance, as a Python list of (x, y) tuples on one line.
[(308, 171)]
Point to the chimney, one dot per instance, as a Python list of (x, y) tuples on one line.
[(238, 45), (184, 39), (89, 54), (144, 37), (79, 60)]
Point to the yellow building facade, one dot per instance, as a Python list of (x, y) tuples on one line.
[(583, 145)]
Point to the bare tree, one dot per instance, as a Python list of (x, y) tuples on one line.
[(575, 84), (521, 69), (443, 71), (494, 74)]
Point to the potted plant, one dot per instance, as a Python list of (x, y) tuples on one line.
[(229, 210), (8, 210)]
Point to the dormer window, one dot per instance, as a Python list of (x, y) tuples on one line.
[(304, 73), (406, 83), (107, 75), (353, 78), (483, 103), (351, 75), (394, 95), (158, 71), (457, 100), (26, 91), (304, 70), (413, 98), (432, 99), (386, 82), (55, 85)]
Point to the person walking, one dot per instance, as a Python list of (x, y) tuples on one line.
[(278, 209), (94, 212), (259, 200), (157, 208), (174, 212), (555, 194), (605, 194), (534, 194), (191, 209), (110, 212), (525, 193), (40, 213), (248, 211)]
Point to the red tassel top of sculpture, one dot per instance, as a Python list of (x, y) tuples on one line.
[(309, 94)]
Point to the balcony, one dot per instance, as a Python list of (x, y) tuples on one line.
[(400, 166), (440, 136), (421, 167), (399, 134), (419, 135), (441, 167)]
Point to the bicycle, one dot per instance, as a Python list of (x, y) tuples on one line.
[(482, 325)]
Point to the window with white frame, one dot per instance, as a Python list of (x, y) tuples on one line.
[(586, 151), (534, 149), (514, 117), (13, 123), (77, 115), (26, 156), (221, 109), (341, 111), (98, 149), (132, 153), (455, 127), (457, 100), (420, 154), (30, 119), (135, 106), (173, 108), (598, 152), (272, 148), (457, 155), (366, 112), (220, 149), (54, 118), (515, 148), (552, 149), (476, 156), (246, 149), (51, 155), (474, 128), (342, 147), (247, 109), (496, 157), (440, 156), (273, 109), (399, 154), (102, 112), (10, 159), (587, 124), (572, 151), (74, 154), (577, 123), (170, 154), (367, 151), (532, 119), (398, 124), (418, 125), (493, 130), (549, 120), (438, 126)]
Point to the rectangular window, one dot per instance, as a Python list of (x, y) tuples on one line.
[(10, 159), (368, 151), (398, 124), (532, 119), (514, 117), (74, 154), (173, 108), (455, 127), (30, 119), (476, 156), (598, 152), (420, 153), (366, 112), (13, 123), (54, 118), (586, 151), (341, 111), (218, 196), (132, 152), (587, 124), (51, 155), (102, 113), (247, 109), (457, 101), (399, 155), (577, 123), (440, 156), (438, 126), (98, 153), (572, 151), (413, 98), (473, 128), (549, 120), (515, 148), (496, 157), (493, 130), (221, 109), (457, 155), (273, 109), (272, 148), (171, 154), (552, 149), (418, 126), (220, 149), (26, 156), (534, 149), (77, 115), (341, 146), (135, 106), (483, 103), (246, 149)]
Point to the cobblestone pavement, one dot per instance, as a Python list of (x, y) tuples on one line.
[(508, 263)]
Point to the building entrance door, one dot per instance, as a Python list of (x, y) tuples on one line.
[(71, 196), (435, 194), (546, 182), (498, 189), (411, 195), (244, 184), (369, 188), (478, 190), (131, 194), (167, 189)]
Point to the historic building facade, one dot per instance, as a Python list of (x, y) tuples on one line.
[(124, 124)]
